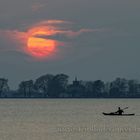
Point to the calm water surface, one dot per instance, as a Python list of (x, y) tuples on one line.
[(68, 119)]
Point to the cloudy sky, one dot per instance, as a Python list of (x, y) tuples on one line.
[(90, 39)]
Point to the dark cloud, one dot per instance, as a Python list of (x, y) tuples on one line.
[(89, 50)]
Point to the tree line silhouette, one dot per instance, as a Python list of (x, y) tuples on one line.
[(58, 86)]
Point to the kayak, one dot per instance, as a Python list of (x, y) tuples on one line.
[(114, 114)]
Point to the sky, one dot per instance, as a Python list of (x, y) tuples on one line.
[(90, 39)]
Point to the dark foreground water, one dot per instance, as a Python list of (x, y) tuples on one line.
[(68, 119)]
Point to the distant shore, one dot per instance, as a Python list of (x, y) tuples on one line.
[(58, 86)]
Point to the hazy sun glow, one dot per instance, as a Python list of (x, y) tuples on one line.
[(42, 39)]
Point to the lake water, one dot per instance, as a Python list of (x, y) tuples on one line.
[(68, 119)]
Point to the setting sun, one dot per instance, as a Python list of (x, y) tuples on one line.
[(40, 47)]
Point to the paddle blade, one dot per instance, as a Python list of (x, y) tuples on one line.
[(125, 108)]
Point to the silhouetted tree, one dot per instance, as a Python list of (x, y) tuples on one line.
[(107, 89), (4, 88), (98, 88), (134, 88), (26, 87), (89, 89), (119, 88), (43, 84), (58, 85)]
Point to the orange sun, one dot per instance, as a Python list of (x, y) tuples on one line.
[(40, 47)]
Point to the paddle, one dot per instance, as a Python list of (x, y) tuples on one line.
[(125, 108)]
